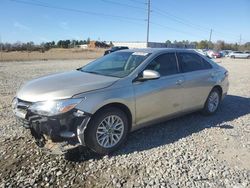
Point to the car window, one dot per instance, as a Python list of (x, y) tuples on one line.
[(165, 64), (118, 64), (192, 62)]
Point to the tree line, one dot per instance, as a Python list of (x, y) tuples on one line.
[(31, 46), (203, 44)]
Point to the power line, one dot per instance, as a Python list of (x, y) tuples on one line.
[(148, 20), (216, 33), (188, 23), (123, 4), (225, 33), (178, 19), (174, 18), (138, 2), (173, 29), (132, 19), (76, 10)]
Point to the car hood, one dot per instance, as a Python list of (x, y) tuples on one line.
[(63, 85)]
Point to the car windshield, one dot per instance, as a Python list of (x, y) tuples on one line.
[(118, 64)]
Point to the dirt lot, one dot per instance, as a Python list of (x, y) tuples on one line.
[(191, 151), (53, 54)]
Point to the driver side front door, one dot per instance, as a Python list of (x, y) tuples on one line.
[(156, 99)]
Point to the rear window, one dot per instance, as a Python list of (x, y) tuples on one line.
[(192, 62)]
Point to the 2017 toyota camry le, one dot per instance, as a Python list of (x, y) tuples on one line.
[(98, 104)]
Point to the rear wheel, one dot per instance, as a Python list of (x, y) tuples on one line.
[(233, 56), (107, 130), (212, 102)]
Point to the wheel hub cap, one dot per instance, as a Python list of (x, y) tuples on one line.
[(110, 131)]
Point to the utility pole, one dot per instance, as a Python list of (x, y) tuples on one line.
[(148, 22), (240, 40), (1, 48), (210, 36)]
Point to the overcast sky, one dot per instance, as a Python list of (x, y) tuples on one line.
[(124, 20)]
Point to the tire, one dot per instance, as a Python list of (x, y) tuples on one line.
[(248, 57), (207, 109), (98, 125), (233, 56)]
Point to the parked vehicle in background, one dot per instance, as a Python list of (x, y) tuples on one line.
[(114, 49), (224, 53), (99, 104), (202, 52), (227, 52), (239, 54), (213, 54)]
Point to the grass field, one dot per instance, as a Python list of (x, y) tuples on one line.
[(53, 54), (190, 151)]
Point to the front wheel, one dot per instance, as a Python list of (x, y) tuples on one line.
[(212, 102), (107, 130)]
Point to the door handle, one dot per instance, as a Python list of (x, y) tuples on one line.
[(179, 82)]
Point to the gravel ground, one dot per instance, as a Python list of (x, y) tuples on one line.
[(191, 151)]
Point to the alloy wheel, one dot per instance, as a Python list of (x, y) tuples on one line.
[(110, 131), (213, 101)]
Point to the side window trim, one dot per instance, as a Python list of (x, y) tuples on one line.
[(177, 62)]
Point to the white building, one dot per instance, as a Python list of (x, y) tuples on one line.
[(152, 45), (140, 44), (83, 46)]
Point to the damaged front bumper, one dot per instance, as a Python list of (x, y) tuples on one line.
[(56, 134)]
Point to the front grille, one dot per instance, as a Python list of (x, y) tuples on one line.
[(20, 109)]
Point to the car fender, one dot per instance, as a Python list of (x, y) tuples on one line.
[(95, 100)]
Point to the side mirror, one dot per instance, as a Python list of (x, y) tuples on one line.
[(149, 75)]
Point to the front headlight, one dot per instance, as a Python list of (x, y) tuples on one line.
[(54, 107)]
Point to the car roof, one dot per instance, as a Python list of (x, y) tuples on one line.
[(157, 50)]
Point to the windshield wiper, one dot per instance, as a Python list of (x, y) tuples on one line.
[(91, 72)]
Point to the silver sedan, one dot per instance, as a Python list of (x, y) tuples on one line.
[(99, 104)]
